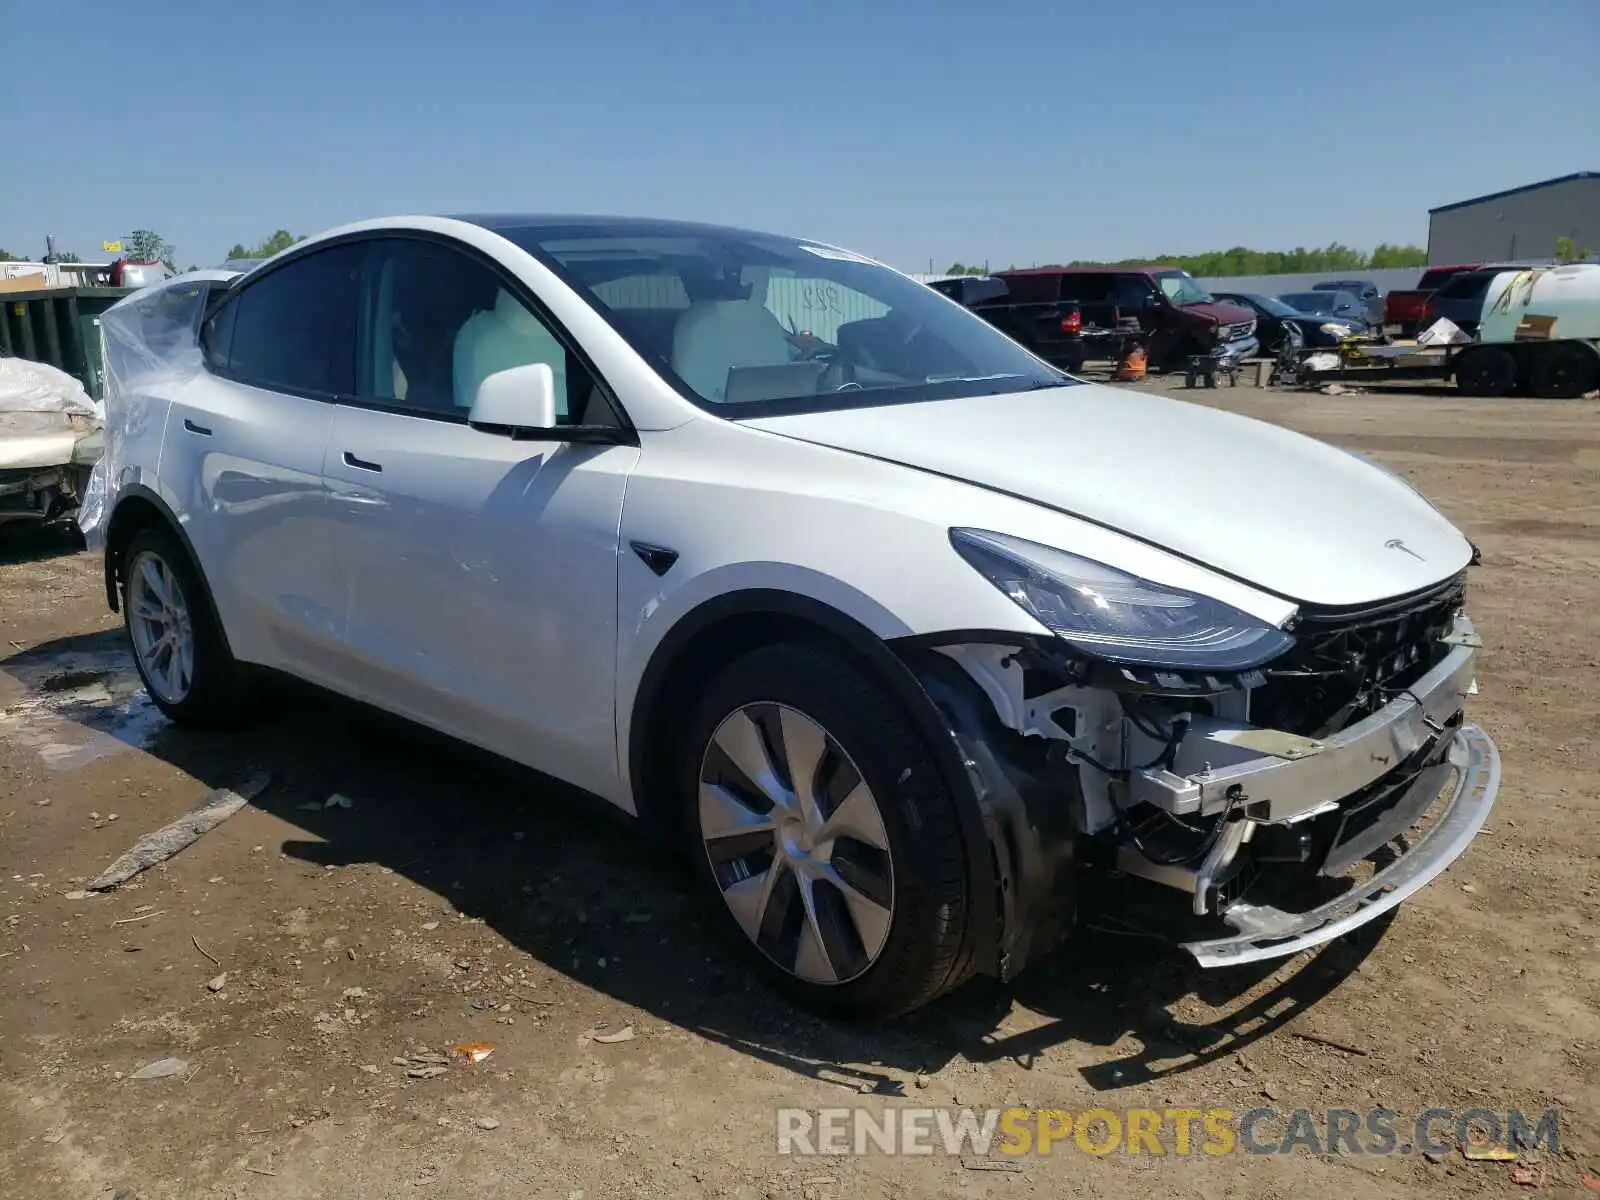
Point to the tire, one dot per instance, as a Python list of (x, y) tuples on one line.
[(898, 943), (214, 689), (1563, 371), (1489, 372)]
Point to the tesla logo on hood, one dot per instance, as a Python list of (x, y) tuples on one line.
[(1397, 544)]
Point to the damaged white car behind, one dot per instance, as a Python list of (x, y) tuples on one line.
[(50, 439), (908, 639)]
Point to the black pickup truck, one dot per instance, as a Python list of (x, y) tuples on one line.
[(1053, 330)]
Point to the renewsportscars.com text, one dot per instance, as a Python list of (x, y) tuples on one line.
[(1156, 1131)]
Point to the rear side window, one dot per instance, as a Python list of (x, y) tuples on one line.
[(1038, 289), (986, 291), (294, 329), (1463, 286), (216, 336), (1435, 279)]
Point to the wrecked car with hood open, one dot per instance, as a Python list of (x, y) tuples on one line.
[(905, 638), (49, 441)]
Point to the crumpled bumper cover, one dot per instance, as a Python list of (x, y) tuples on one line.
[(1266, 932)]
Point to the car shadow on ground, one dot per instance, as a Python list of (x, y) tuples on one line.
[(35, 541), (568, 881)]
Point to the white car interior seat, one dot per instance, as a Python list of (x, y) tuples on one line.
[(505, 337), (713, 336)]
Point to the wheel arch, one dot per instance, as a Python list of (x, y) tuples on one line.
[(140, 507), (724, 628)]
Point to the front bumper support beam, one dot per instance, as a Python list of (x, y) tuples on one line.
[(1279, 776), (1266, 932)]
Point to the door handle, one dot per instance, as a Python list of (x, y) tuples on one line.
[(361, 464), (193, 428)]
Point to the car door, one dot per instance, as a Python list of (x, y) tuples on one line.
[(242, 457), (480, 571)]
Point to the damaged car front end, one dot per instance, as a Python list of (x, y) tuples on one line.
[(50, 440), (1293, 781)]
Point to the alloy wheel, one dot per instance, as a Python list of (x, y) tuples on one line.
[(162, 629), (796, 843)]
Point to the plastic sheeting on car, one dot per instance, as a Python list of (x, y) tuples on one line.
[(44, 414), (35, 387), (151, 346)]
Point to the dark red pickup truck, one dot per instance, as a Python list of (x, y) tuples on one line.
[(1407, 308)]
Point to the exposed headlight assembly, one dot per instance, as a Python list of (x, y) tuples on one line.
[(1335, 329), (1118, 617)]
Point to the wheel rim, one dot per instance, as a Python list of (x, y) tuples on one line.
[(796, 843), (163, 634)]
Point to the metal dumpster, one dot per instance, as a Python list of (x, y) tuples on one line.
[(61, 327)]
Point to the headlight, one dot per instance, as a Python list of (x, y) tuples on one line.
[(1336, 329), (1116, 616)]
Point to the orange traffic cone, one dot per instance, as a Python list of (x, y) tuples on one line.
[(1131, 366)]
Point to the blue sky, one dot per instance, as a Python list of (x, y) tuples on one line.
[(946, 129)]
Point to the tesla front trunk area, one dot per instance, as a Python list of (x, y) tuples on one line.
[(912, 645)]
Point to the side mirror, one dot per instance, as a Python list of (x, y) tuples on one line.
[(517, 398)]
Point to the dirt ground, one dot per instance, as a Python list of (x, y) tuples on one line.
[(298, 955)]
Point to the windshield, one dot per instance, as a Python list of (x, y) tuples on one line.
[(1311, 302), (1272, 305), (1182, 288), (747, 323)]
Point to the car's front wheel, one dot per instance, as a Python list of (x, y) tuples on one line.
[(176, 638), (825, 831)]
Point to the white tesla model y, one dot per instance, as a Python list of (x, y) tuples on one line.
[(904, 633)]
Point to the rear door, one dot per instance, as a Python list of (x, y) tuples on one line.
[(480, 571), (242, 457)]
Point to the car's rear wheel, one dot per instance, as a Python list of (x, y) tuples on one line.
[(825, 832), (177, 642)]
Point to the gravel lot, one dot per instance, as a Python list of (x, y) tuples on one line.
[(298, 956)]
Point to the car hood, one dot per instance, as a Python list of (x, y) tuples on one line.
[(1284, 512), (1223, 312)]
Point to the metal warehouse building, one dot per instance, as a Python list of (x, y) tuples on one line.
[(1520, 224)]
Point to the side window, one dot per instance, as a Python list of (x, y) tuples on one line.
[(1130, 294), (1091, 288), (294, 329), (436, 323)]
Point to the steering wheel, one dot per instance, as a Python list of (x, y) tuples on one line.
[(841, 372)]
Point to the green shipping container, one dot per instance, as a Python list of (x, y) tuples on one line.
[(60, 327)]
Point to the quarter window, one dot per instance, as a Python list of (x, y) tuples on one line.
[(216, 336), (294, 328)]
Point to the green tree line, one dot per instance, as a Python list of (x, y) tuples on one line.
[(267, 247), (1241, 260)]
